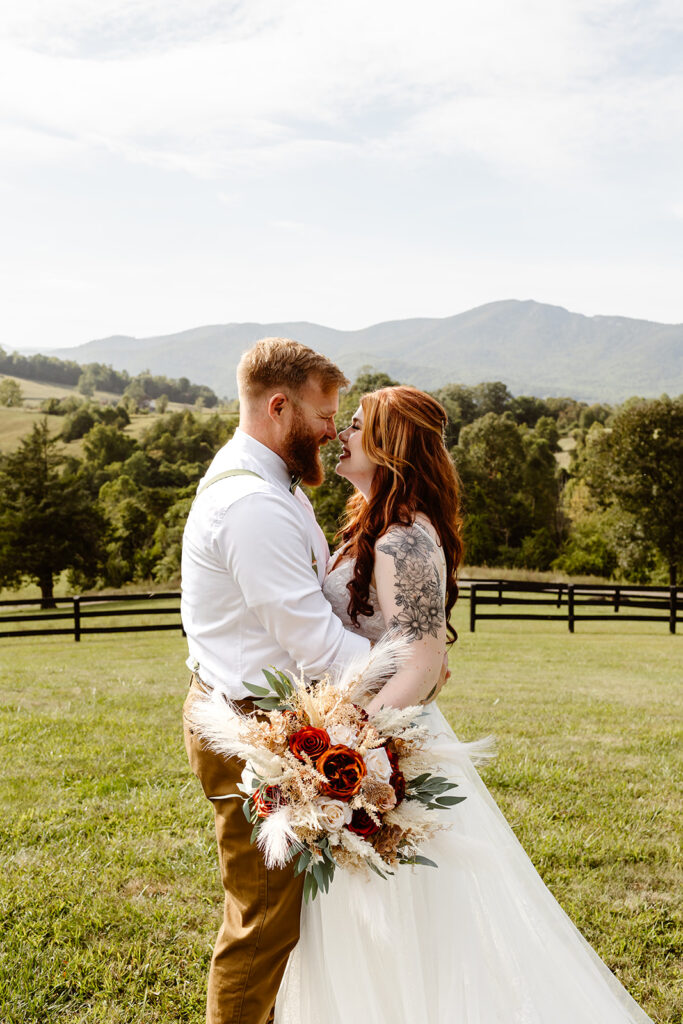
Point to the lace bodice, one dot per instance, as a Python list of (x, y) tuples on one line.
[(334, 589)]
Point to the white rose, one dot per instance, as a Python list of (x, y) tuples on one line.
[(378, 764), (333, 814), (342, 734)]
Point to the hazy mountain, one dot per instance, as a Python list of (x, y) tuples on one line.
[(532, 347)]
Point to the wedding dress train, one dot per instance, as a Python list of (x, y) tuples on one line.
[(478, 940)]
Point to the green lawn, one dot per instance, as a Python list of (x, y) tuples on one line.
[(17, 423), (109, 890)]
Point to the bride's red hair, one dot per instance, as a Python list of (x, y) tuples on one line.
[(403, 430)]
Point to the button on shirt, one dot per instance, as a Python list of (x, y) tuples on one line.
[(253, 561)]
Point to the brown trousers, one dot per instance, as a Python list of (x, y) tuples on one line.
[(262, 908)]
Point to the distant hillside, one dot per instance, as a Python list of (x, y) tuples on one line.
[(532, 347), (100, 377)]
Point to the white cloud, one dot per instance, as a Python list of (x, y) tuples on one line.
[(529, 86), (345, 163)]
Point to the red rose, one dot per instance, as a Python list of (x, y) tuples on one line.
[(313, 742), (266, 800), (398, 782), (344, 770), (362, 824), (393, 758)]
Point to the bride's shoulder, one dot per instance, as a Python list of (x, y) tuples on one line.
[(419, 539)]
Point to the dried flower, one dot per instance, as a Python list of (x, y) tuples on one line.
[(387, 841), (380, 794)]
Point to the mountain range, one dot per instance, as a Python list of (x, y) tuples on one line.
[(532, 347)]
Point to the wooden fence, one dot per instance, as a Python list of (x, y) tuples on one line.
[(74, 614), (570, 603)]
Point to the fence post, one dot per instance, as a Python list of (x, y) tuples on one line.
[(77, 619), (617, 598), (673, 602), (570, 607), (473, 606)]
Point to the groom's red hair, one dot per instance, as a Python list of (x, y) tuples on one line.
[(403, 431)]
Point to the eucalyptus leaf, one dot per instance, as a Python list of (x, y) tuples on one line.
[(441, 787), (301, 863), (285, 680), (310, 887), (318, 873), (269, 703), (327, 876), (259, 691), (276, 685), (449, 801)]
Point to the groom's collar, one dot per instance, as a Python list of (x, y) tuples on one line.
[(265, 458)]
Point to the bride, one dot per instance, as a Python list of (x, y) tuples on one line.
[(480, 940)]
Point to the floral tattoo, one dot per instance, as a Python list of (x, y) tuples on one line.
[(417, 588)]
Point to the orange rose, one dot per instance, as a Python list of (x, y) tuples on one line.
[(344, 770), (313, 742)]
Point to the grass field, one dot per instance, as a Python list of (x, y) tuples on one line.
[(109, 889), (17, 423)]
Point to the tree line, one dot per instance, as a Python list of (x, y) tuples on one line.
[(116, 513), (92, 377)]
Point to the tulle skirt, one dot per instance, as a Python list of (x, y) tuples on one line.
[(478, 940)]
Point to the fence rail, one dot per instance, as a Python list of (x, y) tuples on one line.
[(569, 599), (556, 602), (77, 611)]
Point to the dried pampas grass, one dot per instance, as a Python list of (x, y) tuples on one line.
[(277, 840)]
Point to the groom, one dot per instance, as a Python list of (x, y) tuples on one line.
[(253, 562)]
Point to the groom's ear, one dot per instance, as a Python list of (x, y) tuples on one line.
[(277, 404)]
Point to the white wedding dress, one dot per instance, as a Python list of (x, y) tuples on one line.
[(478, 940)]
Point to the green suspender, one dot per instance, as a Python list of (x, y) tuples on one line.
[(225, 475), (244, 472)]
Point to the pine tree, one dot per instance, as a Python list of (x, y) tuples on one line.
[(47, 519)]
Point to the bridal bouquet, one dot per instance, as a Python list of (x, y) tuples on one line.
[(324, 782)]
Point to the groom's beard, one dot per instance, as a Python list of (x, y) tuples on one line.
[(302, 453)]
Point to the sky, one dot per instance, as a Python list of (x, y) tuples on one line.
[(171, 163)]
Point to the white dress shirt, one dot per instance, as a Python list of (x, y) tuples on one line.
[(253, 562)]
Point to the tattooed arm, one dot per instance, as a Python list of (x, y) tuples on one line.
[(410, 591)]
